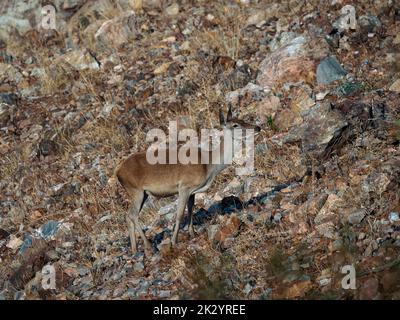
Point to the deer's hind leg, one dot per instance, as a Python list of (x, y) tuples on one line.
[(190, 205), (138, 199)]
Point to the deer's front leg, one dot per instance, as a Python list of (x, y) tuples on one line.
[(182, 201)]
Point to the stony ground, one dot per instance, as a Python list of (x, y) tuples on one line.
[(74, 101)]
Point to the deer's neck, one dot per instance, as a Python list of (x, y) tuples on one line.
[(219, 160)]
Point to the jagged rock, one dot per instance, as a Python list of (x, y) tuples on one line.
[(9, 73), (117, 31), (395, 86), (301, 100), (172, 10), (281, 40), (224, 232), (251, 92), (320, 131), (72, 4), (49, 229), (369, 23), (393, 217), (258, 17), (298, 289), (328, 216), (16, 17), (357, 216), (81, 60), (329, 70), (268, 107), (376, 182), (8, 98), (237, 78), (294, 62), (47, 147), (65, 189), (286, 119), (347, 19), (4, 114), (14, 243)]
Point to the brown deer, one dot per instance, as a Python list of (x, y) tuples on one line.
[(140, 178)]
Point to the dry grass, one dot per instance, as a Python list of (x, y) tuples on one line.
[(10, 164)]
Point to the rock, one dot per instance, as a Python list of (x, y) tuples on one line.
[(71, 4), (347, 19), (325, 278), (3, 234), (281, 40), (327, 229), (4, 114), (251, 92), (17, 18), (172, 10), (47, 147), (165, 247), (162, 68), (328, 216), (117, 31), (49, 229), (169, 209), (14, 243), (268, 108), (357, 216), (369, 289), (138, 266), (164, 294), (320, 126), (237, 78), (396, 40), (395, 86), (225, 232), (376, 182), (258, 17), (301, 99), (8, 98), (321, 95), (81, 60), (371, 248), (286, 119), (233, 187), (10, 25), (108, 109), (298, 290), (294, 62), (212, 231), (336, 245), (65, 189), (393, 217), (26, 244), (348, 88), (9, 73), (329, 70), (369, 23)]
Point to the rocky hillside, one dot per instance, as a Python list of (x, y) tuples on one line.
[(324, 85)]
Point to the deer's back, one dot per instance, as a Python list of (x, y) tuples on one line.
[(159, 179)]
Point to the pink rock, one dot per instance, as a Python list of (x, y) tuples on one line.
[(294, 62)]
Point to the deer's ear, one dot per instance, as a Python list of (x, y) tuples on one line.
[(221, 118), (229, 116)]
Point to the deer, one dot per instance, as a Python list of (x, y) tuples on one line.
[(139, 178)]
